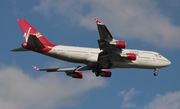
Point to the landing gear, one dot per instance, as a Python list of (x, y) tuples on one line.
[(155, 72), (97, 74), (97, 70)]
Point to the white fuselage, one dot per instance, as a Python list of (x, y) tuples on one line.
[(145, 59)]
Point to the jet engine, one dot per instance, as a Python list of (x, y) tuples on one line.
[(77, 75), (130, 56), (119, 44), (105, 73)]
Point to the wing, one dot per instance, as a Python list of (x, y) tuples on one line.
[(106, 41), (103, 31), (74, 72), (67, 70), (111, 48)]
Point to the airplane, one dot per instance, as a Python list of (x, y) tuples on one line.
[(110, 54)]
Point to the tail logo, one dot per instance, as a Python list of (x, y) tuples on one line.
[(26, 35), (38, 34)]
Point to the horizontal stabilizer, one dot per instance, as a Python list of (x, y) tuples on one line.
[(19, 49)]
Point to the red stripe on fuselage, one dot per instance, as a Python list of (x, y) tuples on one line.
[(43, 50)]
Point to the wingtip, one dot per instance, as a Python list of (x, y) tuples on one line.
[(36, 68), (97, 21)]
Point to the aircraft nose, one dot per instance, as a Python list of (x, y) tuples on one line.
[(168, 62)]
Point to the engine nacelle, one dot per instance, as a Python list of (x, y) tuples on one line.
[(120, 44), (105, 73), (24, 44), (77, 75), (130, 56)]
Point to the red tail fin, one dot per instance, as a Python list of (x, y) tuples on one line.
[(28, 30)]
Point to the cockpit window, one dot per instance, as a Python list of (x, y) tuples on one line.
[(158, 55)]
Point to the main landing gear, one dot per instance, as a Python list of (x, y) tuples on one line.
[(155, 72), (97, 70)]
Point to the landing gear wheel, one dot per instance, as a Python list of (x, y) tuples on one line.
[(97, 70), (97, 75), (155, 72)]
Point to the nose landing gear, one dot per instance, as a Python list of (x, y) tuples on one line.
[(155, 72)]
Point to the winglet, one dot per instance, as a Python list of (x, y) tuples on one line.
[(36, 68), (98, 22)]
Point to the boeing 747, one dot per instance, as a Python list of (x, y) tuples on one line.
[(110, 54)]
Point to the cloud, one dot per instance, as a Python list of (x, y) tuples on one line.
[(170, 100), (137, 19), (127, 98), (174, 3), (21, 91)]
